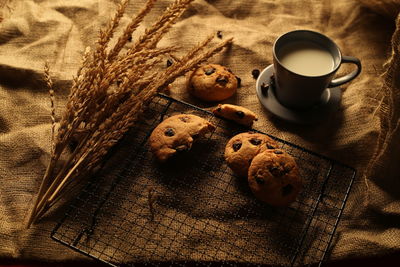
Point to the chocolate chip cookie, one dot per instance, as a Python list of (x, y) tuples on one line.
[(242, 148), (235, 113), (274, 177), (212, 82), (176, 134)]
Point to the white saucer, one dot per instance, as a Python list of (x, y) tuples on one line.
[(330, 102)]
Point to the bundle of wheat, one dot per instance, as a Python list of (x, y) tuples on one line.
[(109, 93)]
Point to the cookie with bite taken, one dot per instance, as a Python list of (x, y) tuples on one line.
[(177, 134)]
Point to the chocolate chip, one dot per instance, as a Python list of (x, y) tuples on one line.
[(219, 34), (255, 141), (169, 132), (260, 180), (287, 189), (209, 71), (278, 152), (182, 148), (240, 114), (184, 119), (270, 147), (219, 109), (129, 39), (255, 73), (236, 145), (273, 168), (229, 70), (239, 81), (276, 171), (264, 89), (169, 62), (222, 79), (287, 169)]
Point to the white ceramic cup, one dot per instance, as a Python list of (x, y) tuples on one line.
[(298, 89)]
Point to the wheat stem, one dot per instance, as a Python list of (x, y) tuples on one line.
[(49, 84), (53, 159), (41, 193), (66, 177)]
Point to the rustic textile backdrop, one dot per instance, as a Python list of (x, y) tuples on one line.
[(363, 133)]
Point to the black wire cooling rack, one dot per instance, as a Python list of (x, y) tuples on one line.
[(195, 210)]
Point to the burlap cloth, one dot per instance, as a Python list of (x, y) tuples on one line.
[(362, 133)]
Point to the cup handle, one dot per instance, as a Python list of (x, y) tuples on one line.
[(339, 81)]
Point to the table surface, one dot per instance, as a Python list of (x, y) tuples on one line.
[(388, 260), (58, 31)]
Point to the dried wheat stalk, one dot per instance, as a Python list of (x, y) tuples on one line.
[(109, 94), (49, 84)]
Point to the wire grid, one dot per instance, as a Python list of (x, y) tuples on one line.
[(194, 209)]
